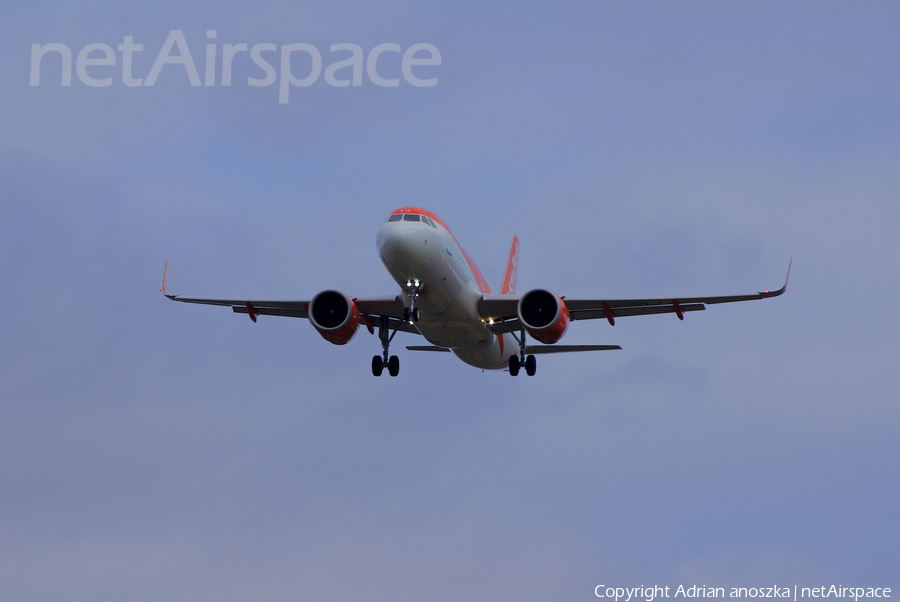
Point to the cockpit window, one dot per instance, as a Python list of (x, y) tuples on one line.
[(428, 221), (395, 218), (411, 217)]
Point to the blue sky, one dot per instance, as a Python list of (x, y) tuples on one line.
[(159, 451)]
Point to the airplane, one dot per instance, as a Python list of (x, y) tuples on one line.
[(445, 298)]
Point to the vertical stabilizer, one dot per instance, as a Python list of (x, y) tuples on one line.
[(509, 279)]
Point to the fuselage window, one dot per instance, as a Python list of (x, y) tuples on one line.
[(411, 217)]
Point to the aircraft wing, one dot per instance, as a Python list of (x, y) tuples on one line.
[(376, 307), (502, 310), (292, 309)]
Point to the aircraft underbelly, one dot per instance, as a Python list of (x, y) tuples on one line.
[(459, 325), (487, 358)]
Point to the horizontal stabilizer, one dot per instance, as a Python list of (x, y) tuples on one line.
[(533, 349), (539, 349)]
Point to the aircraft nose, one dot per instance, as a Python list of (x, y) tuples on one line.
[(394, 241), (401, 246)]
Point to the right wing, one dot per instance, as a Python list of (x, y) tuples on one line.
[(376, 307)]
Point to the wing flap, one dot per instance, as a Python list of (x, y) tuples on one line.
[(593, 314), (270, 311)]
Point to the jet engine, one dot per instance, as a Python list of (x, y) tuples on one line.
[(544, 315), (335, 316)]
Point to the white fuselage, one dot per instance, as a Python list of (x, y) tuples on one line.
[(451, 287)]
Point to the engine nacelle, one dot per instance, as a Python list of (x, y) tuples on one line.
[(335, 316), (544, 315)]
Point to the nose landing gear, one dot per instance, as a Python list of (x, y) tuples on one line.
[(413, 286), (380, 362)]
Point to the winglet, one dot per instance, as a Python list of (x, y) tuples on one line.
[(509, 279), (165, 271), (783, 288)]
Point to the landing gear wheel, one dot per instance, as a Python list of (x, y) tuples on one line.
[(530, 365), (377, 365), (415, 314), (406, 314), (514, 365), (393, 365)]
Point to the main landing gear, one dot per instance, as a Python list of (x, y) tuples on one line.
[(380, 362), (516, 362)]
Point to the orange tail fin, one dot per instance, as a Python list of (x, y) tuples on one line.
[(509, 279)]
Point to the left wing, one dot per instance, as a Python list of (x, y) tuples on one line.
[(502, 310)]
